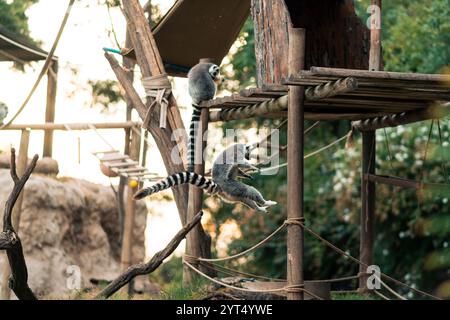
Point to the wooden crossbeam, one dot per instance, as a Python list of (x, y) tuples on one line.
[(407, 183), (131, 170), (382, 75), (113, 157), (121, 164), (393, 181)]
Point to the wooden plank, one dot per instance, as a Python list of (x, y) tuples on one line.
[(381, 75), (105, 152), (72, 126), (131, 170), (121, 165), (126, 258), (114, 157)]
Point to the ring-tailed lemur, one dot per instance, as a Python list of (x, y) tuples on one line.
[(202, 80), (228, 166)]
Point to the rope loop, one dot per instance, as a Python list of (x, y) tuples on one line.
[(295, 221), (294, 288), (159, 88)]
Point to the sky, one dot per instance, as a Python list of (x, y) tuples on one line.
[(81, 59)]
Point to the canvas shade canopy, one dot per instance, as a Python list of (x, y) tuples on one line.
[(14, 47), (195, 29)]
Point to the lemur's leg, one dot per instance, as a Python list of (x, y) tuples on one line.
[(252, 205), (255, 195)]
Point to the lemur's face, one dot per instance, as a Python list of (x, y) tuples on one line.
[(214, 72)]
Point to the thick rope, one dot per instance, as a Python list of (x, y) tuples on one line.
[(47, 64), (381, 295), (234, 287), (243, 253), (389, 288), (340, 251), (288, 288), (159, 88), (309, 154)]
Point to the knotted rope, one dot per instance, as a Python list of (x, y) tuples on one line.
[(159, 88)]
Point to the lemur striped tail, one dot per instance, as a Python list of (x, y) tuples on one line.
[(176, 179), (192, 135)]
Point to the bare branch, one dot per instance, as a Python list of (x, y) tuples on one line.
[(12, 167), (153, 264), (10, 241), (19, 184)]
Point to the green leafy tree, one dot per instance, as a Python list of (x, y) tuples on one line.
[(13, 16)]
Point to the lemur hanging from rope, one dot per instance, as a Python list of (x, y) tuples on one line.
[(230, 164)]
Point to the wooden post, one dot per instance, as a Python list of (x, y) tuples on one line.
[(150, 63), (127, 243), (21, 166), (197, 243), (368, 159), (129, 64), (297, 37), (52, 74)]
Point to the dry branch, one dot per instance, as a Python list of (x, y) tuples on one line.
[(153, 264), (10, 241)]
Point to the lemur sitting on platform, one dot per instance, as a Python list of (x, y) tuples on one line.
[(228, 166)]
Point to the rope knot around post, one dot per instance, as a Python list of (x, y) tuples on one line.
[(190, 259), (295, 221), (295, 288), (159, 88)]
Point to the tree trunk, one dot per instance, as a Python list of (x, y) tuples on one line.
[(335, 36)]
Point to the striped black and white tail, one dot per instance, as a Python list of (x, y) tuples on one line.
[(176, 179), (191, 143)]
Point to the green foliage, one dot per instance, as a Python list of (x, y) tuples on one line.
[(416, 34), (241, 72), (105, 93), (170, 277), (13, 17)]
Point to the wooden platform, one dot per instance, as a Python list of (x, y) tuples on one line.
[(375, 93)]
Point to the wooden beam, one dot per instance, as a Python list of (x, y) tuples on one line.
[(71, 126), (22, 163), (393, 181), (394, 120), (130, 209), (52, 80), (295, 152), (198, 243), (379, 75)]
